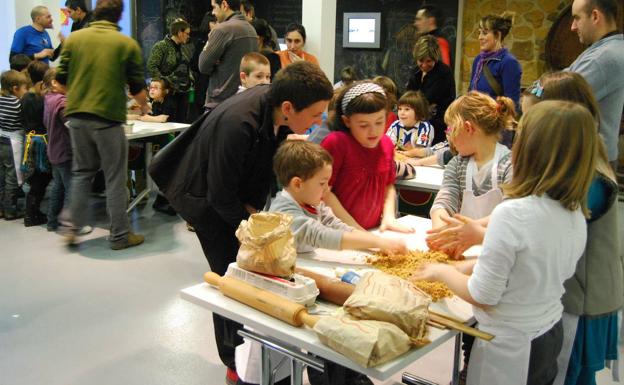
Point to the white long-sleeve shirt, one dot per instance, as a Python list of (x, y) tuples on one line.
[(531, 247)]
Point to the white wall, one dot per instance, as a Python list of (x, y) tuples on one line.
[(319, 20)]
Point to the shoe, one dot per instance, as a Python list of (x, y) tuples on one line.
[(231, 377), (12, 215), (85, 230), (132, 240), (35, 220)]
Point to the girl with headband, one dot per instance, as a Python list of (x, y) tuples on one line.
[(362, 181)]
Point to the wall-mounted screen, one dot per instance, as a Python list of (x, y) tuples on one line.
[(361, 30)]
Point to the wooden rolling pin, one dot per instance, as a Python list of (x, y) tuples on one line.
[(262, 300), (331, 289)]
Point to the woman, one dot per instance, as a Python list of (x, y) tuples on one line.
[(495, 71), (295, 42), (435, 80), (265, 44), (170, 60)]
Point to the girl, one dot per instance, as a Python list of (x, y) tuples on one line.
[(412, 133), (496, 71), (163, 106), (531, 247), (14, 85), (362, 181), (471, 180)]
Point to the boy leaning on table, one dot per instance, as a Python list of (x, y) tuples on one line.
[(304, 169)]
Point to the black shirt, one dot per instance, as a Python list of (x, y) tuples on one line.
[(166, 107), (32, 113)]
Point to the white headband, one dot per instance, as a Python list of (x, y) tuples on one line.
[(360, 89)]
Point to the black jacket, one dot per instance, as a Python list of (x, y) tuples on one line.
[(226, 164), (439, 88)]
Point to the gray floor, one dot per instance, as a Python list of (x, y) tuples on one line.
[(95, 316)]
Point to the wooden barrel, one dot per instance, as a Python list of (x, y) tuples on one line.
[(562, 45)]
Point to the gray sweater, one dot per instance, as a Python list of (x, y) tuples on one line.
[(311, 231), (221, 57), (454, 183), (602, 65)]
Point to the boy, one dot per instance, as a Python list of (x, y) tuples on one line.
[(304, 169), (13, 86), (254, 69)]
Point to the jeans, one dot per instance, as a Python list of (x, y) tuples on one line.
[(59, 194), (8, 178), (97, 144)]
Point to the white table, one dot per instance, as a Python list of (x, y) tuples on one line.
[(137, 129), (304, 339), (428, 179)]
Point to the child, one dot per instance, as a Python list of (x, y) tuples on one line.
[(304, 169), (590, 320), (35, 166), (363, 194), (412, 133), (471, 180), (163, 106), (391, 94), (13, 86), (254, 69), (531, 247)]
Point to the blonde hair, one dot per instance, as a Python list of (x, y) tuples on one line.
[(555, 153), (572, 87), (491, 116), (10, 79), (299, 158), (427, 46), (251, 61)]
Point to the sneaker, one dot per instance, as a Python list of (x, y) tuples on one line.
[(132, 240), (85, 230), (231, 377)]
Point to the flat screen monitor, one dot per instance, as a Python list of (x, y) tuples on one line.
[(361, 30)]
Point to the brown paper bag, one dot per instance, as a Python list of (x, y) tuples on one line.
[(383, 297), (369, 343), (267, 244)]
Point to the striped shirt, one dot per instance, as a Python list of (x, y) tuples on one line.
[(454, 183), (10, 113)]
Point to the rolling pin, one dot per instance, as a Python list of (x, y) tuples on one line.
[(262, 300), (330, 288)]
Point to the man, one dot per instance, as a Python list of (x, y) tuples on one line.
[(426, 23), (227, 44), (249, 11), (33, 40), (96, 111), (78, 12), (602, 64), (226, 171)]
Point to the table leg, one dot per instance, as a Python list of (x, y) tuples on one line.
[(266, 366), (148, 181), (296, 372), (456, 359)]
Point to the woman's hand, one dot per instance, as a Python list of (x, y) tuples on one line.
[(392, 224), (294, 57)]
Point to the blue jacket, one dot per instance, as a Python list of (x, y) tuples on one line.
[(506, 70)]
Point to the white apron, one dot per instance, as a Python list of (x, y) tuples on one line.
[(504, 360), (476, 207), (17, 145)]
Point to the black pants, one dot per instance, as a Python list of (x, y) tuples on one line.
[(220, 247), (38, 182)]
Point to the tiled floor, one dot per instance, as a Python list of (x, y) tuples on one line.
[(95, 316)]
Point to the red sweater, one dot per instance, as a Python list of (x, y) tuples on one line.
[(361, 176)]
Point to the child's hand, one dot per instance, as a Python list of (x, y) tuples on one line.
[(391, 224), (465, 267), (457, 236), (392, 246), (430, 272)]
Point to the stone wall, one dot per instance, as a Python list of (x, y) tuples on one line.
[(526, 40)]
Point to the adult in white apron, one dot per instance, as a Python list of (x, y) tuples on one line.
[(476, 207)]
